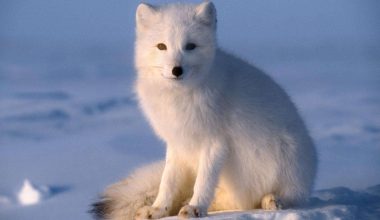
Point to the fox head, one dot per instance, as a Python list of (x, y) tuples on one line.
[(175, 43)]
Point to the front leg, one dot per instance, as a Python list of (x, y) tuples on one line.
[(168, 188), (210, 164)]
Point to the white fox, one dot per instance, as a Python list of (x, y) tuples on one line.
[(234, 138)]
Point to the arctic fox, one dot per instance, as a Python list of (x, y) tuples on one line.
[(234, 138)]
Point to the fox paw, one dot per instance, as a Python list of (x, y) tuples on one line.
[(270, 202), (149, 212), (189, 211)]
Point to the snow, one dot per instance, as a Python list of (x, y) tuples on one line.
[(334, 203), (69, 122), (30, 194), (327, 213), (4, 201)]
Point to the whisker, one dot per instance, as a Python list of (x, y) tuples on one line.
[(158, 67), (147, 67)]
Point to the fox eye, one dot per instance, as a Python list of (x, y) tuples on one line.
[(190, 46), (161, 46)]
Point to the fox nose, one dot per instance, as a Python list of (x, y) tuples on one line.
[(177, 71)]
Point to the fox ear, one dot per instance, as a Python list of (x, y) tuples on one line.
[(145, 14), (206, 13)]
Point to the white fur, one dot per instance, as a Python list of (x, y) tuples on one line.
[(233, 135)]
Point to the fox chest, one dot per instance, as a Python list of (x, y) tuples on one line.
[(181, 120)]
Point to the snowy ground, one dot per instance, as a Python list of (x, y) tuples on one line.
[(69, 122)]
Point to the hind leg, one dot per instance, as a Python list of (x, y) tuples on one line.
[(271, 202)]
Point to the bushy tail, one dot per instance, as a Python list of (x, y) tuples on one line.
[(121, 200)]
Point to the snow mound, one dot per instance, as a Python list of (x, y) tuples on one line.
[(334, 203), (30, 194), (326, 213)]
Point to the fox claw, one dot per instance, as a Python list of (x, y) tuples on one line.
[(149, 212), (189, 211), (271, 202)]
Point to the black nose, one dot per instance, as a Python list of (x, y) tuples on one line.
[(177, 71)]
